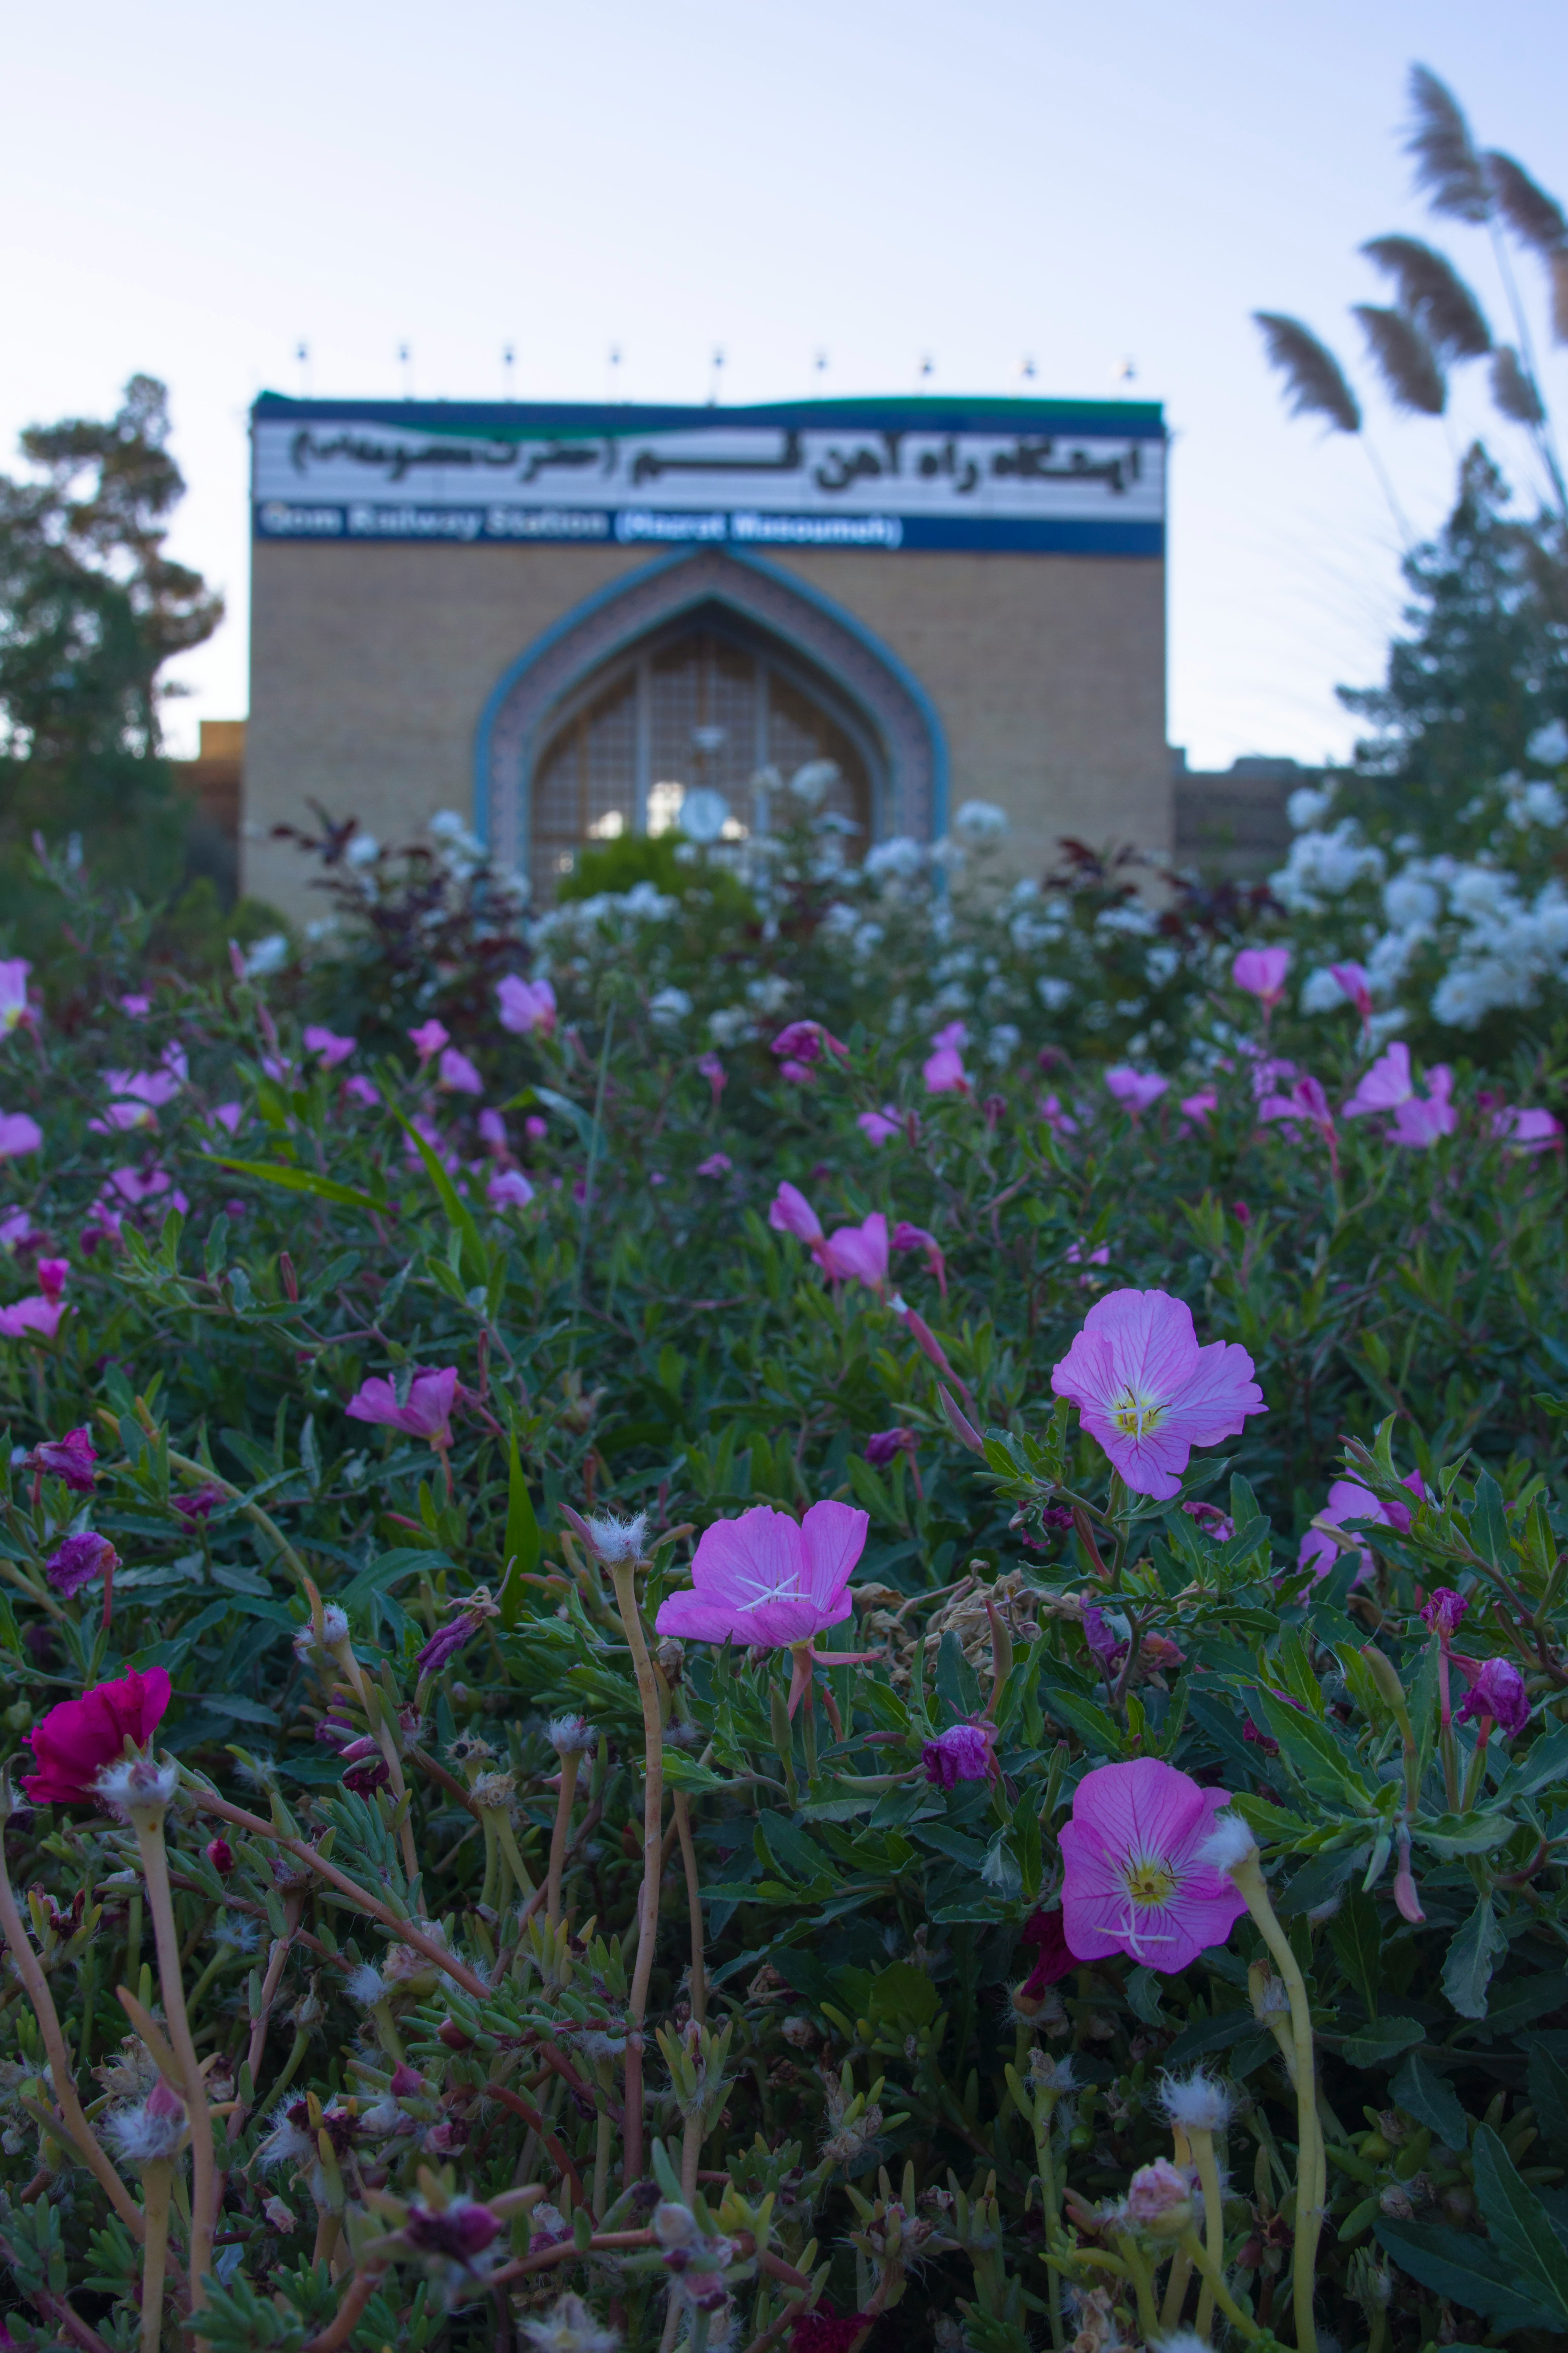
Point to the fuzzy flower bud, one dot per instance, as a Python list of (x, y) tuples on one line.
[(571, 1736), (220, 1854), (1160, 2200), (311, 1651)]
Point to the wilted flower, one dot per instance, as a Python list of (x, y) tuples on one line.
[(1496, 1696), (961, 1752), (790, 1212), (1354, 984), (69, 1459), (80, 1561), (807, 1041), (220, 1854), (1055, 1957), (1445, 1610), (1349, 1500), (884, 1445)]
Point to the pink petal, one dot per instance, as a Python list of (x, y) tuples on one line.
[(833, 1537)]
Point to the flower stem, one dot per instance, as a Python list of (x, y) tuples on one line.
[(560, 1834), (1247, 1876), (1198, 2256), (155, 2179), (1142, 2285), (206, 2187), (1202, 2145), (653, 1844), (682, 1810)]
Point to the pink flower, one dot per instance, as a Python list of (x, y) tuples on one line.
[(1261, 972), (807, 1041), (1074, 1256), (908, 1237), (458, 1075), (362, 1091), (155, 1087), (136, 1009), (535, 1128), (858, 1254), (766, 1580), (1386, 1085), (69, 1459), (226, 1116), (876, 1126), (279, 1069), (427, 1412), (718, 1164), (799, 1075), (961, 1752), (492, 1132), (1055, 1117), (53, 1275), (15, 1226), (33, 1315), (1136, 1089), (1349, 1500), (1306, 1102), (509, 1188), (1425, 1118), (717, 1078), (81, 1560), (14, 1009), (884, 1446), (1355, 984), (1132, 1881), (137, 1184), (1496, 1696), (1526, 1131), (1148, 1393), (77, 1739), (1197, 1108), (791, 1213), (943, 1071), (18, 1134), (331, 1049), (429, 1038), (526, 1005), (1445, 1611)]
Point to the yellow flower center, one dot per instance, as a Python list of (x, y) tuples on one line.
[(1150, 1881)]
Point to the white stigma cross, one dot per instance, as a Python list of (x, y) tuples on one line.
[(788, 1591), (1138, 1415)]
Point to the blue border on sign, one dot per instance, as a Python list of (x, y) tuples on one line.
[(1131, 420), (604, 597)]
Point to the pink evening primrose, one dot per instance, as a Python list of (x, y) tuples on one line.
[(225, 1117), (458, 1075), (492, 1133), (135, 1007), (858, 1254), (429, 1038), (428, 1413), (1132, 1881), (36, 1315), (526, 1005), (790, 1212), (1146, 1391), (1386, 1085), (331, 1049), (1136, 1089), (1419, 1123), (362, 1091), (943, 1070), (1526, 1131), (768, 1579), (807, 1041), (876, 1126), (13, 1007), (1199, 1108), (1261, 972), (509, 1188), (1356, 985), (712, 1069), (18, 1134), (1349, 1500), (718, 1164), (908, 1237)]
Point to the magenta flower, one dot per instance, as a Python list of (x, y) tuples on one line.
[(458, 1075), (767, 1579), (31, 1315), (331, 1049), (1198, 1108), (13, 1006), (446, 1642), (69, 1459), (1055, 1956), (535, 1128), (225, 1117), (1496, 1696), (362, 1091), (53, 1275), (1148, 1394), (791, 1213), (717, 1078), (1526, 1131), (1074, 1256), (429, 1038), (1055, 1117), (961, 1752), (136, 1008), (1354, 984), (492, 1132), (858, 1254), (526, 1005), (807, 1041), (426, 1413), (154, 1088), (910, 1237), (718, 1164), (1445, 1611), (1305, 1106), (81, 1560), (1136, 1089), (1132, 1881), (1349, 1500), (1261, 972), (884, 1446), (876, 1126), (1385, 1085), (509, 1188), (943, 1070), (196, 1508), (799, 1075), (1421, 1121)]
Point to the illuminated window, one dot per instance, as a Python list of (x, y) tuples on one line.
[(708, 708)]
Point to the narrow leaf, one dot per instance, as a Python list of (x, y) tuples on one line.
[(1474, 1951)]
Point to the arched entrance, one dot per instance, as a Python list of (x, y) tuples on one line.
[(701, 671)]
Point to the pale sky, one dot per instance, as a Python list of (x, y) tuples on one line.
[(195, 191)]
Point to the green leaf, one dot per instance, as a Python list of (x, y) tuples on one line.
[(1544, 1762), (1468, 2269), (1375, 2045), (1474, 1951), (588, 1135), (1455, 1834), (1518, 2226), (957, 1685), (1549, 2097), (789, 1850), (300, 1180), (458, 1215), (1488, 1525), (903, 1996), (1424, 2095), (1357, 1939), (522, 1545), (1313, 1754)]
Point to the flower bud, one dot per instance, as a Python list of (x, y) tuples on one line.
[(220, 1854)]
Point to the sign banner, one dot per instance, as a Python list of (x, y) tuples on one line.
[(1028, 477)]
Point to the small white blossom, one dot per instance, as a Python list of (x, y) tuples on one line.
[(569, 2328), (1307, 806), (1053, 991), (979, 822), (1230, 1842), (1549, 745), (668, 1008), (1197, 2103), (365, 1984), (267, 955), (616, 1539)]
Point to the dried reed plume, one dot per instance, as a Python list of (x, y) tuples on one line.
[(1447, 167), (1537, 219), (1433, 294), (1405, 360), (1313, 377), (1513, 388)]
